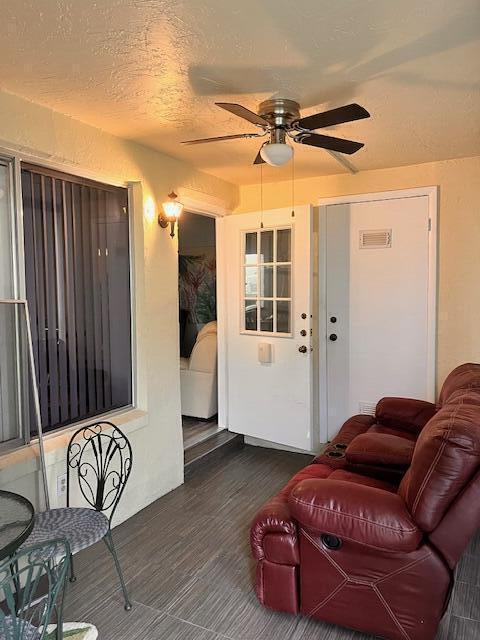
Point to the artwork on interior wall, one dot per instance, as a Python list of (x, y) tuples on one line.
[(197, 293)]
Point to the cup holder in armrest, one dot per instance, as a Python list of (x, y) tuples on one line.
[(340, 445), (336, 454)]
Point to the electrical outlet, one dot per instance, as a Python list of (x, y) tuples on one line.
[(61, 485)]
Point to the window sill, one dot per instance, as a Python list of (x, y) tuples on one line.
[(129, 420)]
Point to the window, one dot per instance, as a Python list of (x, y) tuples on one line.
[(77, 272), (267, 278)]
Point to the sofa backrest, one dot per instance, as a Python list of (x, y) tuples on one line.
[(466, 377), (445, 461)]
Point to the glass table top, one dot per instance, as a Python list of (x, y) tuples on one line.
[(16, 521)]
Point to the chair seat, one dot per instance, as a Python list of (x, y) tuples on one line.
[(18, 628), (82, 527)]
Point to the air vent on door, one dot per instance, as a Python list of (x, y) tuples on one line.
[(376, 239), (367, 408)]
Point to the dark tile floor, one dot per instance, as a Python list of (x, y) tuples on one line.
[(189, 572)]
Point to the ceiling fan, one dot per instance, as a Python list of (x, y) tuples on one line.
[(280, 118)]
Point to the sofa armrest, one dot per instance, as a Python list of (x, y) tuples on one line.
[(404, 413), (273, 518), (355, 512)]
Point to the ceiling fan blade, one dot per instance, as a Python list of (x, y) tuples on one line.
[(243, 112), (327, 142), (348, 113), (219, 138), (259, 159)]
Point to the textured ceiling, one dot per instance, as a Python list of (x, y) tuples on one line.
[(151, 70)]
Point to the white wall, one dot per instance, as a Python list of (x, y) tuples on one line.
[(39, 133)]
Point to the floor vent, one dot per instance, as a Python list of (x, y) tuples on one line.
[(376, 239), (367, 408)]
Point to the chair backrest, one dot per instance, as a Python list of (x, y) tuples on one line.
[(31, 584), (445, 461), (464, 378), (204, 353), (100, 456)]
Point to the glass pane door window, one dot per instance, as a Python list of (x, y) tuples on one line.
[(267, 281)]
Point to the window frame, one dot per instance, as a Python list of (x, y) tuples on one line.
[(258, 298), (22, 436), (14, 160)]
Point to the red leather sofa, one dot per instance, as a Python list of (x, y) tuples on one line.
[(350, 542)]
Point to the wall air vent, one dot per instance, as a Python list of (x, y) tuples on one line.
[(367, 408), (376, 239)]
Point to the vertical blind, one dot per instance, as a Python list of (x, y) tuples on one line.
[(78, 289)]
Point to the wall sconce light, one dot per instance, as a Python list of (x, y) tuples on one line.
[(171, 212)]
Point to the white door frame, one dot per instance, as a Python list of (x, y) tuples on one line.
[(432, 195), (205, 205)]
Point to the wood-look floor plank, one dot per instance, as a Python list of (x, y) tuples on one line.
[(462, 629), (466, 601)]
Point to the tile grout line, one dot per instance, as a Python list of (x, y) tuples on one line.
[(192, 624)]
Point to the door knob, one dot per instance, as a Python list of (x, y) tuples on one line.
[(303, 349), (333, 337)]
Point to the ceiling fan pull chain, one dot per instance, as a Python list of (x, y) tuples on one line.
[(261, 196), (293, 186)]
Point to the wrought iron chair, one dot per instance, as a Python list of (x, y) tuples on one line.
[(101, 462), (31, 589)]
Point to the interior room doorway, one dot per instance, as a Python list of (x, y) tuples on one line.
[(198, 327)]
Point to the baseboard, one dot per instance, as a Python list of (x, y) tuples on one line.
[(258, 442)]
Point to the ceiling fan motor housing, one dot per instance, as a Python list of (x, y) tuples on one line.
[(279, 112)]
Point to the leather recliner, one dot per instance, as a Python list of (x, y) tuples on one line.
[(382, 445), (363, 552)]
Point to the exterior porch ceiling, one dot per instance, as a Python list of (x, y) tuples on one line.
[(151, 71)]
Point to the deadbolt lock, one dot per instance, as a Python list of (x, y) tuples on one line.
[(303, 332), (304, 316)]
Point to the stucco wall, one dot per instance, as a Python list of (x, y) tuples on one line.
[(36, 131), (458, 337)]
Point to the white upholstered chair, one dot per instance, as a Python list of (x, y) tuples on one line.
[(198, 375)]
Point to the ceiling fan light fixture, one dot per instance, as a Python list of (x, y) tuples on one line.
[(276, 153)]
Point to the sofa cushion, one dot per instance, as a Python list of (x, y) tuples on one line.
[(356, 512), (380, 428), (380, 449), (310, 471), (358, 478)]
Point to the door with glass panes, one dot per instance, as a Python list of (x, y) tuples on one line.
[(268, 274)]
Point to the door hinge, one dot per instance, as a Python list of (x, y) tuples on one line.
[(429, 224)]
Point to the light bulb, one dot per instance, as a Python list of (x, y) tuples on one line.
[(276, 154)]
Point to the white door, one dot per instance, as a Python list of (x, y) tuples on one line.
[(268, 322), (377, 304)]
